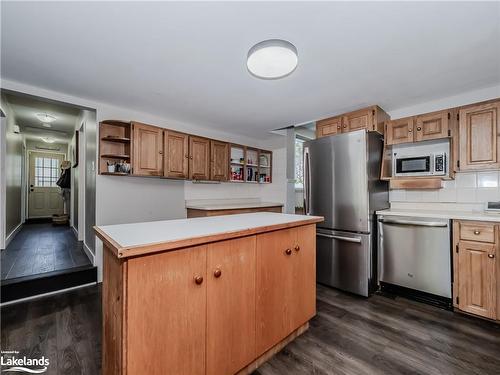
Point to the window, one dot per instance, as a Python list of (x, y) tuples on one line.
[(46, 172), (299, 164)]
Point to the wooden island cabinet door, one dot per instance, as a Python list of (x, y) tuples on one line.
[(166, 316), (176, 155), (230, 305), (477, 278), (199, 158), (304, 278), (399, 131), (219, 161), (479, 132), (432, 126), (275, 297), (147, 156)]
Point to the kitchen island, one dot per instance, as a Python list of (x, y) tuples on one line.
[(214, 295)]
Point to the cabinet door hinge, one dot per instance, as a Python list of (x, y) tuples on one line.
[(458, 163), (458, 116), (449, 133), (456, 248), (449, 115), (456, 299), (373, 112)]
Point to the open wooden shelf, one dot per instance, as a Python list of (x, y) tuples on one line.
[(115, 174), (114, 144), (115, 156), (116, 139), (416, 183)]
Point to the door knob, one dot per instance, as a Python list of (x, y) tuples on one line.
[(491, 256), (198, 280), (297, 247), (288, 251), (217, 273)]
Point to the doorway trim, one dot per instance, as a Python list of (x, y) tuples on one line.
[(3, 128)]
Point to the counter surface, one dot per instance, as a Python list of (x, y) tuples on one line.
[(231, 206)]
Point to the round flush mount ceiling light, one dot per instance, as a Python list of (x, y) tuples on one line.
[(272, 59), (45, 118), (48, 139)]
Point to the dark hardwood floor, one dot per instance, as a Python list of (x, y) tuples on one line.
[(349, 335), (40, 248)]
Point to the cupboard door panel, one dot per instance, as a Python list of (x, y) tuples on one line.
[(479, 136), (147, 158), (400, 131), (231, 305), (176, 154), (432, 126), (275, 297), (362, 119), (329, 126), (304, 279), (199, 158), (477, 280), (166, 321), (219, 161)]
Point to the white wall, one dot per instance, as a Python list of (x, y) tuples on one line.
[(3, 126)]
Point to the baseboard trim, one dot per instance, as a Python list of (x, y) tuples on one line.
[(46, 294), (75, 232), (12, 234), (89, 253)]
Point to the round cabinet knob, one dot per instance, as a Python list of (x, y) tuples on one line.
[(217, 273), (476, 232), (491, 256), (297, 247), (410, 130), (198, 280), (419, 128), (288, 251), (190, 157), (160, 152), (345, 126)]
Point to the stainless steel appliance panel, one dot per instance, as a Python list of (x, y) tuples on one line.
[(336, 183), (344, 260), (415, 253)]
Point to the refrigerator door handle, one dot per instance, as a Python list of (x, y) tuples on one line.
[(340, 238), (415, 223), (307, 181)]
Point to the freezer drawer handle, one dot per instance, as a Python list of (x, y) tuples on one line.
[(415, 223), (340, 238)]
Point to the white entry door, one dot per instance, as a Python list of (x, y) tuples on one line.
[(45, 197)]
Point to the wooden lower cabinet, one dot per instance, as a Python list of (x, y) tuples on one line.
[(286, 283), (218, 308), (476, 288)]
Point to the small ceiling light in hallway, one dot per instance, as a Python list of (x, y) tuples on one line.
[(45, 118), (272, 59)]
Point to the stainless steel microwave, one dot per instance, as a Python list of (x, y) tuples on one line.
[(431, 164)]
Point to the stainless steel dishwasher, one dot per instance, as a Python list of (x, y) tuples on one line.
[(414, 258)]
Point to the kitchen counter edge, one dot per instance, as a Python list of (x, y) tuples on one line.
[(451, 215)]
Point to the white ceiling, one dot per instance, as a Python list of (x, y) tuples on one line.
[(25, 108), (186, 61)]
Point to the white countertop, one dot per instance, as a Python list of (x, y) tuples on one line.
[(231, 205), (171, 231), (444, 214)]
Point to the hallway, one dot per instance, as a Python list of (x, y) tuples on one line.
[(40, 248)]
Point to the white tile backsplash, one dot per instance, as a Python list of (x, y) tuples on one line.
[(471, 188)]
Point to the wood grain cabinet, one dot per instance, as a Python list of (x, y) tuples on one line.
[(399, 131), (285, 258), (219, 160), (329, 126), (199, 158), (433, 125), (231, 305), (147, 156), (363, 119), (479, 132), (176, 156), (476, 286)]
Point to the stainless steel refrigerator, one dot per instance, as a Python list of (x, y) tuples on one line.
[(341, 183)]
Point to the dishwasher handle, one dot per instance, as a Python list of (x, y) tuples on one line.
[(435, 224), (340, 238)]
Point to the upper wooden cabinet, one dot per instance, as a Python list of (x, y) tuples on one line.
[(399, 131), (371, 118), (479, 132), (147, 156), (329, 126), (199, 158), (230, 305), (176, 159), (433, 125), (219, 161)]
